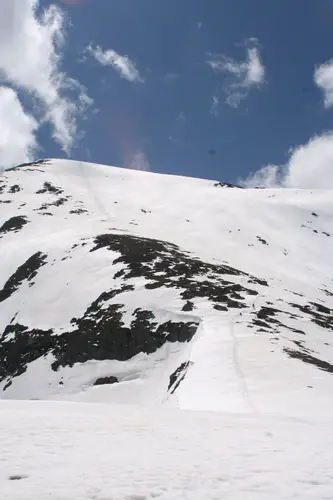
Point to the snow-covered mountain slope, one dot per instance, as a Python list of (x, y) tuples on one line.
[(126, 286), (66, 451)]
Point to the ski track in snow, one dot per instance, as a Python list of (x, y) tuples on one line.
[(238, 368)]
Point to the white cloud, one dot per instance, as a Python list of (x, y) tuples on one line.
[(244, 75), (309, 166), (138, 161), (30, 58), (17, 131), (323, 78), (125, 67), (214, 109), (270, 176), (255, 73)]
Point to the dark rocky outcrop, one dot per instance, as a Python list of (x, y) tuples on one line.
[(2, 185), (56, 203), (177, 377), (163, 264), (26, 272), (106, 381), (100, 335), (227, 185), (15, 188), (319, 314), (14, 224), (266, 319), (264, 242), (78, 211), (20, 346), (31, 164), (307, 358), (189, 306), (49, 188)]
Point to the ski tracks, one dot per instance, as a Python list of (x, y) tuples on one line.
[(238, 369)]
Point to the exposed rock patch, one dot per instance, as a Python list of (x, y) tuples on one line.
[(100, 335), (106, 381), (26, 272), (2, 186), (57, 203), (164, 264), (15, 188), (78, 211), (189, 306), (14, 224), (177, 377), (264, 242), (266, 319), (49, 188), (307, 358), (32, 164), (319, 314), (226, 185)]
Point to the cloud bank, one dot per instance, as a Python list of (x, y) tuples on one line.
[(31, 52), (309, 166), (17, 139)]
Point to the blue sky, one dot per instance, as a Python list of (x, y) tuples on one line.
[(190, 107)]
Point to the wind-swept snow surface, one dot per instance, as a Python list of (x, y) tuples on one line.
[(130, 287), (66, 451)]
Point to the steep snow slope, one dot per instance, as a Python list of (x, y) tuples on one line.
[(163, 289), (66, 451)]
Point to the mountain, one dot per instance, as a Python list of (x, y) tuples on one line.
[(132, 287)]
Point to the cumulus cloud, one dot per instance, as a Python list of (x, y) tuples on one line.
[(243, 75), (123, 64), (323, 78), (31, 46), (17, 138), (309, 166)]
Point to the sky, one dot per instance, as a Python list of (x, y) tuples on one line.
[(235, 90)]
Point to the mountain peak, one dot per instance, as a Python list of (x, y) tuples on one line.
[(169, 287)]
